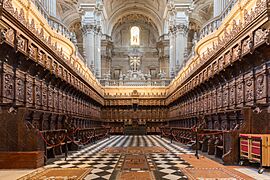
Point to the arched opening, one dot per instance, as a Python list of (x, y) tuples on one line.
[(135, 36)]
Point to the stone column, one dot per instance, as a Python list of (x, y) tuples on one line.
[(106, 56), (181, 45), (52, 7), (89, 45), (98, 53), (164, 49), (219, 6), (172, 52)]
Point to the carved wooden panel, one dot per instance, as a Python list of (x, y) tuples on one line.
[(1, 81), (22, 43), (37, 93), (29, 91), (268, 81), (261, 37), (261, 85), (227, 58), (49, 63), (60, 100), (64, 102), (215, 67), (246, 46), (50, 97), (41, 58), (240, 91), (55, 100), (232, 94), (249, 89), (44, 96), (209, 102), (225, 96), (8, 84), (236, 53), (219, 98), (33, 52), (20, 87), (214, 100)]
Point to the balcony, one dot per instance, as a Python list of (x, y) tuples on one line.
[(213, 24)]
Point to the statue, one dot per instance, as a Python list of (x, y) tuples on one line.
[(162, 74)]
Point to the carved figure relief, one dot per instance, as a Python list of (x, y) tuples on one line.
[(44, 96), (37, 94), (50, 97), (20, 89), (249, 93), (232, 95), (260, 87), (8, 86), (29, 92)]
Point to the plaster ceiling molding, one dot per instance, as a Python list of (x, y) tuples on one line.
[(202, 12), (135, 18), (116, 9), (67, 11)]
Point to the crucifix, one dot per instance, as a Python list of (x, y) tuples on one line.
[(135, 63)]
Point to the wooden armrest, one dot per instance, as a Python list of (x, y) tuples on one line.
[(220, 147)]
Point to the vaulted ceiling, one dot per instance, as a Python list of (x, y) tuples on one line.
[(117, 9)]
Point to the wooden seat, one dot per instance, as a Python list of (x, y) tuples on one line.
[(211, 146)]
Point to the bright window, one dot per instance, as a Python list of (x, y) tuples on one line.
[(135, 36)]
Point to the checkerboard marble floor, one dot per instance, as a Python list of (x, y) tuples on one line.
[(103, 164)]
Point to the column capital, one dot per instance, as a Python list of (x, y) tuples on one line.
[(181, 28), (88, 28)]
